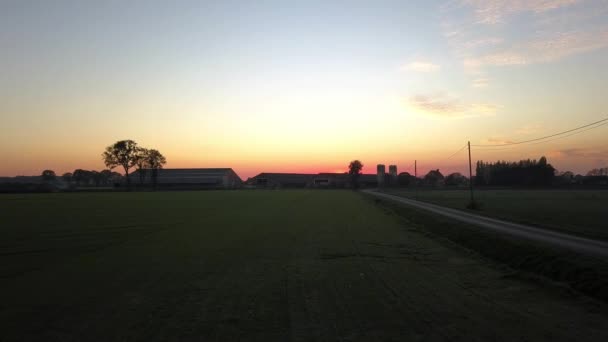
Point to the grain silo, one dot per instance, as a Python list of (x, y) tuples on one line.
[(392, 174), (381, 172)]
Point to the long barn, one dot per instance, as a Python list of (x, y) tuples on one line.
[(303, 180), (212, 178)]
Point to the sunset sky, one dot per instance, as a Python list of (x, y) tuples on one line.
[(306, 86)]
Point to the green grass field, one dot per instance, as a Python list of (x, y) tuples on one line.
[(581, 212), (259, 266)]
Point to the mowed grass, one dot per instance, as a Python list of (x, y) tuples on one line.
[(258, 266), (581, 212)]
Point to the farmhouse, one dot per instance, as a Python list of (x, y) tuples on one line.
[(220, 178)]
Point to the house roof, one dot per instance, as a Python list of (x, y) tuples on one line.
[(197, 170), (286, 177), (307, 177), (22, 179)]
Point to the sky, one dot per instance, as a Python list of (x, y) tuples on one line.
[(302, 86)]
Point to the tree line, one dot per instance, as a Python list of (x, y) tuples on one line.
[(523, 173), (503, 173), (82, 177), (124, 153), (598, 172)]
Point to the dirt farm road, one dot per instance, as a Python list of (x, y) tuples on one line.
[(571, 242)]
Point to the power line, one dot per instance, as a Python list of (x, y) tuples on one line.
[(535, 141), (455, 153), (571, 134), (546, 141), (545, 137)]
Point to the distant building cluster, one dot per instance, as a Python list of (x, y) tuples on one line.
[(323, 180), (488, 174)]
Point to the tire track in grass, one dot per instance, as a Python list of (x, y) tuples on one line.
[(434, 277), (427, 317), (399, 300)]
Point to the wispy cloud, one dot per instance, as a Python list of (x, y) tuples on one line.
[(495, 11), (543, 49), (442, 105), (497, 141), (529, 129), (583, 152), (519, 134), (475, 43), (530, 31), (598, 155), (480, 82), (421, 66)]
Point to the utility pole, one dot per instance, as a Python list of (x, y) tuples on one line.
[(472, 204), (416, 177)]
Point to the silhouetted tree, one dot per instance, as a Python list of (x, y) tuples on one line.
[(404, 179), (354, 171), (455, 179), (525, 172), (67, 177), (141, 163), (48, 175), (598, 172), (597, 176), (122, 153), (155, 161), (564, 178), (81, 176)]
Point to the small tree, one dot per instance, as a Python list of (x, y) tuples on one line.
[(354, 171), (122, 153), (67, 177), (404, 179), (48, 175), (81, 177), (155, 161), (455, 179)]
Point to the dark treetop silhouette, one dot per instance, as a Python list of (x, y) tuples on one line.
[(354, 170)]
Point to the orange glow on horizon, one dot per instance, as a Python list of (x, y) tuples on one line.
[(269, 96)]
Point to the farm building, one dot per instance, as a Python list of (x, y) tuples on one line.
[(303, 180), (221, 178), (280, 180)]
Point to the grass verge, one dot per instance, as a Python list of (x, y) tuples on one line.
[(578, 212), (582, 273)]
